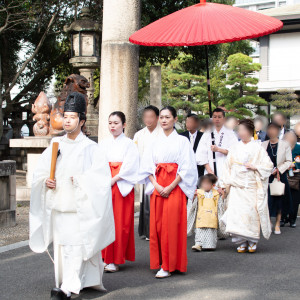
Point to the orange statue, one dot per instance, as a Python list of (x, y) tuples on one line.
[(41, 109), (73, 83)]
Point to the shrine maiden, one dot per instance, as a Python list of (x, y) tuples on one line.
[(74, 211), (123, 157), (169, 170), (142, 139), (245, 176)]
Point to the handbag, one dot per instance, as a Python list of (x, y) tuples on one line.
[(294, 181), (277, 187)]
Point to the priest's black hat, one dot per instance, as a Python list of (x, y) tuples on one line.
[(75, 102)]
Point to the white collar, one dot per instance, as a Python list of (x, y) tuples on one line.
[(78, 138), (193, 134), (208, 194), (154, 130), (119, 137), (173, 133), (221, 130)]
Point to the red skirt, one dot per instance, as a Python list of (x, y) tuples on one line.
[(123, 247), (168, 224)]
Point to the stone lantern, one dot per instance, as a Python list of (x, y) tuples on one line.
[(85, 57)]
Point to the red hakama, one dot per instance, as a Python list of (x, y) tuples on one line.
[(168, 223), (123, 247)]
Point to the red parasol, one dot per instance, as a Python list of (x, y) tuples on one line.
[(206, 24)]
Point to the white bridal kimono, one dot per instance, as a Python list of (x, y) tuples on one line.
[(77, 217), (247, 210), (171, 149), (122, 149)]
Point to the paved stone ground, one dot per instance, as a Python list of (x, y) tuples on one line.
[(271, 273), (19, 232)]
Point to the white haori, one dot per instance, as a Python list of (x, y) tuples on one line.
[(247, 209), (170, 149), (224, 139), (122, 149)]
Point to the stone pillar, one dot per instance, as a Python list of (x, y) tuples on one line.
[(264, 58), (155, 86), (8, 193), (92, 114), (119, 64)]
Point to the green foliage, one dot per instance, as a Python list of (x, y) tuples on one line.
[(185, 91), (240, 96), (286, 101)]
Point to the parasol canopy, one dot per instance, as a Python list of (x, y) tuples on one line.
[(205, 24)]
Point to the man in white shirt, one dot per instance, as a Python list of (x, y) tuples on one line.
[(223, 139), (142, 139)]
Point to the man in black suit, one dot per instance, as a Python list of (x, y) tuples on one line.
[(280, 119), (192, 123), (259, 124)]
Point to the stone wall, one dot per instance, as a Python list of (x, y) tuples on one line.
[(8, 193), (19, 155)]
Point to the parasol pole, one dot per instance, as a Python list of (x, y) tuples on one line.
[(210, 108), (208, 81)]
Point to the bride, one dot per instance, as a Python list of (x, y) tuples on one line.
[(245, 178)]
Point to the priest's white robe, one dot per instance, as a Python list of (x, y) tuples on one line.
[(247, 209), (224, 139), (76, 216), (170, 149), (143, 139), (122, 149)]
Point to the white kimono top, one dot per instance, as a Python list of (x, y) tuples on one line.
[(224, 139), (122, 149), (143, 138), (171, 149), (89, 195)]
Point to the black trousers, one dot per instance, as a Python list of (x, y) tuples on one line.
[(144, 220), (295, 206)]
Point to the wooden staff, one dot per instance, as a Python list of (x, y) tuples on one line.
[(53, 160)]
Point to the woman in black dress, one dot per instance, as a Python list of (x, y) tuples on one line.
[(280, 154)]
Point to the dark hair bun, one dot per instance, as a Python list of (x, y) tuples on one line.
[(119, 114), (249, 125), (171, 109)]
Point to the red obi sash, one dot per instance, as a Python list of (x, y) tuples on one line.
[(115, 168), (165, 174)]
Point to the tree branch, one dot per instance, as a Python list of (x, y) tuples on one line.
[(27, 61), (35, 80)]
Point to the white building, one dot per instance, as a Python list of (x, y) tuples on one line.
[(256, 5), (278, 53)]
